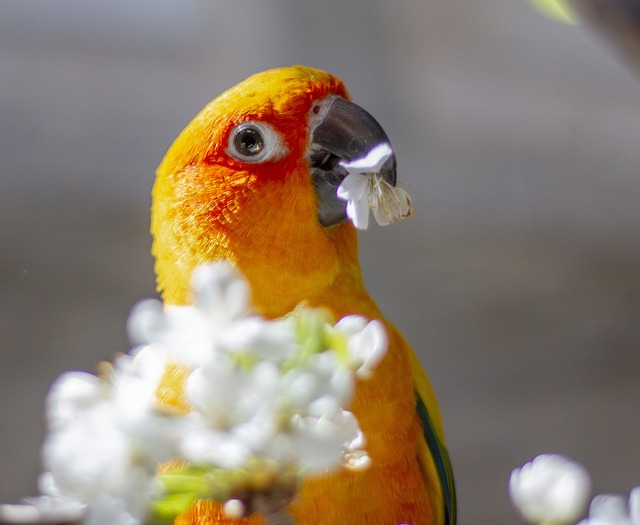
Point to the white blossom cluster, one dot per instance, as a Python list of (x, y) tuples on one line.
[(259, 396), (365, 189), (553, 490)]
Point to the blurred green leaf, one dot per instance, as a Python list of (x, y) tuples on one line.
[(557, 9), (170, 507)]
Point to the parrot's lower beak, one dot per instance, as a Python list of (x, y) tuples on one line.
[(341, 131)]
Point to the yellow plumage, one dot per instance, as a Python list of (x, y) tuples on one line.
[(262, 216)]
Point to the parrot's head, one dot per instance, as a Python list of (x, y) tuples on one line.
[(253, 179)]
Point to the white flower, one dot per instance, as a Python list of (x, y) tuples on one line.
[(110, 510), (261, 338), (365, 188), (85, 451), (43, 509), (550, 489), (89, 456), (319, 387), (608, 509), (219, 321), (320, 442), (146, 321), (106, 437), (236, 412), (228, 395), (152, 435), (181, 334), (189, 334), (367, 342), (221, 292), (261, 392), (70, 395), (92, 461)]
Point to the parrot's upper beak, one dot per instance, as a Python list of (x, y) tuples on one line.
[(341, 131)]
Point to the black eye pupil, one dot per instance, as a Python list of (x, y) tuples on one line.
[(249, 141)]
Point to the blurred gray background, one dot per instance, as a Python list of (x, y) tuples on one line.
[(517, 280)]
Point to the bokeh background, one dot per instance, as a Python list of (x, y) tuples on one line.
[(517, 280)]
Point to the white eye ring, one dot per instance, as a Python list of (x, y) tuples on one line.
[(255, 142)]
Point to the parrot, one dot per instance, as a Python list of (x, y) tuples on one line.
[(252, 180)]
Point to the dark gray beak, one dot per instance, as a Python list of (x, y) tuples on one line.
[(341, 131)]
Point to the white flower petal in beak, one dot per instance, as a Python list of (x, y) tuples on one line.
[(354, 190), (365, 188), (372, 162)]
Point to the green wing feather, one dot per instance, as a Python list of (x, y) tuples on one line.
[(432, 453), (440, 457)]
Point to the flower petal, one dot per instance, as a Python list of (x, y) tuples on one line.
[(354, 190), (372, 162), (389, 203), (71, 394), (367, 342), (354, 186), (358, 212), (221, 291)]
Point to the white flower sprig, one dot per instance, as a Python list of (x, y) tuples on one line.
[(550, 490), (553, 490), (365, 189), (248, 406), (613, 509)]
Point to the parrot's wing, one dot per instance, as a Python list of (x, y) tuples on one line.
[(434, 457), (432, 453)]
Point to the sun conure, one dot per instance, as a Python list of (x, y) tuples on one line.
[(252, 179)]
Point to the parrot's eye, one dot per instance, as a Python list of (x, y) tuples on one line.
[(249, 141), (255, 142)]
